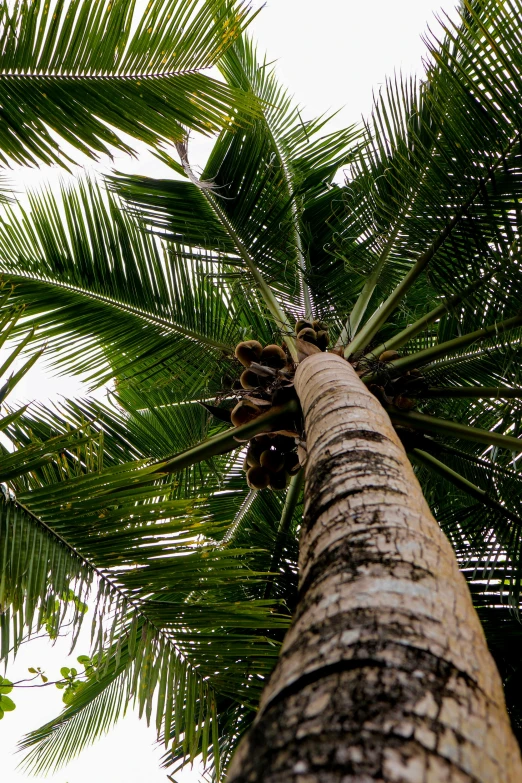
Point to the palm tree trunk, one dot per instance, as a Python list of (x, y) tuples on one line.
[(384, 674)]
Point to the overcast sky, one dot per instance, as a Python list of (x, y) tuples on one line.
[(332, 55)]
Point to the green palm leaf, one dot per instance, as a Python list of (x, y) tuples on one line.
[(100, 275), (419, 250), (78, 67), (69, 511), (114, 518), (259, 183)]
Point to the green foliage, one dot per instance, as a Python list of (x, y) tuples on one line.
[(189, 576), (87, 68), (69, 685), (69, 509), (6, 704)]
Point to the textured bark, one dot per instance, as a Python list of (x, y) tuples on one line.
[(384, 674)]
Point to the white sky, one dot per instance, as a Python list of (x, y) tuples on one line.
[(331, 55)]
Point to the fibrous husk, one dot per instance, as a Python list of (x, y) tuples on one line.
[(274, 356), (379, 392), (278, 481), (244, 412), (271, 457), (252, 459), (284, 443), (272, 460), (262, 442), (305, 349), (323, 339), (388, 356), (292, 464), (257, 478), (309, 335), (287, 433), (248, 351), (403, 403), (284, 393), (303, 324), (320, 326), (249, 379)]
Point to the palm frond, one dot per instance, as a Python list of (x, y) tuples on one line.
[(419, 250), (402, 199), (260, 183), (125, 298), (114, 518), (209, 609), (91, 71)]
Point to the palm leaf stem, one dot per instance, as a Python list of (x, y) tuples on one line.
[(426, 423), (291, 501), (285, 169), (485, 392), (364, 297), (229, 439), (244, 509), (462, 483), (453, 360), (97, 77), (418, 326), (204, 401), (359, 308), (301, 263), (266, 292), (125, 308), (379, 318), (427, 355), (439, 448), (447, 347)]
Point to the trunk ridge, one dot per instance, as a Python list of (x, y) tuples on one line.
[(384, 674)]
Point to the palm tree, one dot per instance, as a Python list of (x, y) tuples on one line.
[(411, 269)]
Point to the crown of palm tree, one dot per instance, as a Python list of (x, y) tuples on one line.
[(153, 283)]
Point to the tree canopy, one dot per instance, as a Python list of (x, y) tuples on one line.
[(150, 283)]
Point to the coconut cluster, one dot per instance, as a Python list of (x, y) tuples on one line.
[(315, 332), (270, 461), (267, 380)]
